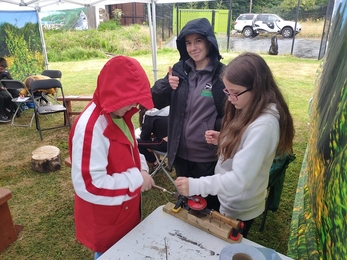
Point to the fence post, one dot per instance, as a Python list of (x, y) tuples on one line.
[(213, 18)]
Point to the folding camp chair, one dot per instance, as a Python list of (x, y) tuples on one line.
[(39, 85), (275, 186), (160, 158), (53, 74)]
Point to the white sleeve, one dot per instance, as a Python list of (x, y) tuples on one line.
[(237, 174), (144, 165)]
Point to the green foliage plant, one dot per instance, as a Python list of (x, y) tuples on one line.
[(25, 61), (107, 40), (117, 15), (108, 25)]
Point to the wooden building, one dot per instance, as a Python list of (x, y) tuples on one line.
[(132, 13)]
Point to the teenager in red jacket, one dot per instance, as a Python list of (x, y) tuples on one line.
[(108, 173)]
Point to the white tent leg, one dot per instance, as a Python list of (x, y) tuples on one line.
[(154, 16), (44, 51), (152, 31)]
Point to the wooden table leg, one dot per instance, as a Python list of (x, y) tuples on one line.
[(68, 108)]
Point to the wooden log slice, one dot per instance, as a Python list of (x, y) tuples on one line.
[(46, 159)]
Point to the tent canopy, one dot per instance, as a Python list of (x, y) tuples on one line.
[(70, 4), (48, 5)]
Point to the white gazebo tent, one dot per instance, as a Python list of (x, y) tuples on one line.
[(48, 5)]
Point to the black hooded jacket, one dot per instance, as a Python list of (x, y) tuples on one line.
[(163, 95)]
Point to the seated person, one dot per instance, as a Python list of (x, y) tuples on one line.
[(7, 95), (3, 116), (153, 136)]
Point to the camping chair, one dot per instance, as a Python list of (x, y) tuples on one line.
[(275, 186), (53, 74), (18, 85), (160, 158), (39, 85)]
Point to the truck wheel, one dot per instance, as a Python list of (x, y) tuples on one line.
[(287, 32), (247, 32)]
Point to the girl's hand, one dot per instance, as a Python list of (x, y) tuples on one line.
[(173, 80), (182, 185), (212, 136)]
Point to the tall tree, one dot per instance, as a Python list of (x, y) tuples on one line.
[(304, 4)]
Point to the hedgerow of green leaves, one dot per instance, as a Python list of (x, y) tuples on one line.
[(109, 39), (25, 61)]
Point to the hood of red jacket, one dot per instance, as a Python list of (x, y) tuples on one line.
[(122, 82)]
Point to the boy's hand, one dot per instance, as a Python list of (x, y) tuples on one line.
[(148, 181)]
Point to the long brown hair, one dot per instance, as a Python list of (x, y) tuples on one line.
[(141, 114), (251, 71)]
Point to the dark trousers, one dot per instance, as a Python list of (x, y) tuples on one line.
[(187, 168), (151, 144), (7, 96), (2, 106), (247, 226)]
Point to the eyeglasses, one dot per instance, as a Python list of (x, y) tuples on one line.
[(235, 96)]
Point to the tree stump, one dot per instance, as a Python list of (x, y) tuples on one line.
[(46, 159)]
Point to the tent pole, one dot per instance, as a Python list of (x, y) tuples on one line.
[(150, 31), (229, 23), (296, 22), (44, 52), (154, 17)]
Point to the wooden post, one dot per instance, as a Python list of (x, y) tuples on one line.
[(8, 232)]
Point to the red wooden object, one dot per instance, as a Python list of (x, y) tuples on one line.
[(8, 233)]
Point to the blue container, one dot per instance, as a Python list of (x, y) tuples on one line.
[(30, 105)]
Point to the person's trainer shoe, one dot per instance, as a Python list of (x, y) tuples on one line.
[(4, 119)]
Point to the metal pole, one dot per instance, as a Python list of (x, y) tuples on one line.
[(154, 17), (153, 41), (229, 22), (177, 10), (44, 51), (296, 21)]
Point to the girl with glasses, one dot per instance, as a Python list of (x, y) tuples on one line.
[(256, 125)]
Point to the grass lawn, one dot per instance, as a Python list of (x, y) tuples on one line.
[(43, 203)]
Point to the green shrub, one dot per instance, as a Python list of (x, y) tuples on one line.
[(24, 60), (80, 45), (108, 25), (76, 53)]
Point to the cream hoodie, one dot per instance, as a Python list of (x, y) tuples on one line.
[(241, 182)]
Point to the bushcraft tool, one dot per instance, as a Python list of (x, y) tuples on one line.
[(198, 205)]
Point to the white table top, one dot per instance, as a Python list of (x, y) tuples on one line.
[(162, 236)]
